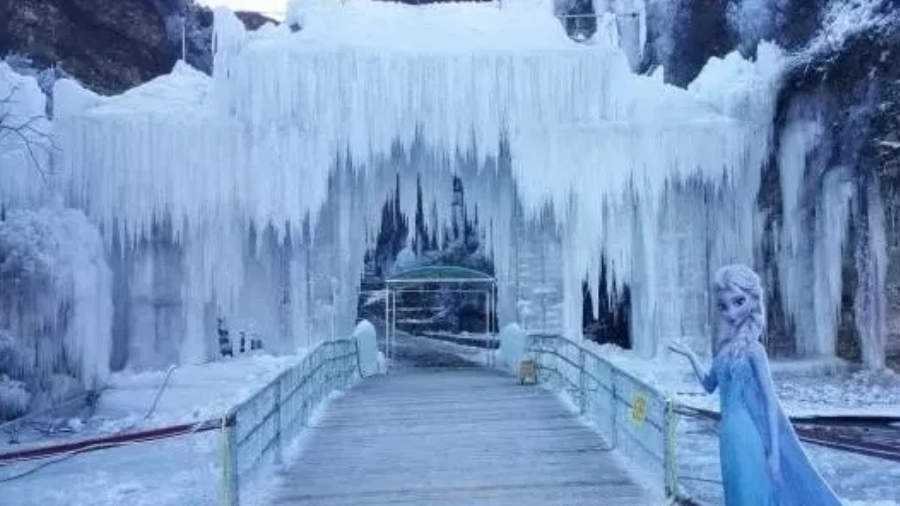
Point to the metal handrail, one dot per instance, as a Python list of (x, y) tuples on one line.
[(261, 426), (580, 377)]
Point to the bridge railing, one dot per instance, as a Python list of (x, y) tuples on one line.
[(256, 431), (635, 418)]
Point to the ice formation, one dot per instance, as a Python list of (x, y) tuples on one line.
[(55, 307), (247, 195), (24, 139), (55, 300)]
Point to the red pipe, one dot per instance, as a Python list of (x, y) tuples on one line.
[(86, 445)]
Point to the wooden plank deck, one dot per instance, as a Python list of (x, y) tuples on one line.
[(430, 437)]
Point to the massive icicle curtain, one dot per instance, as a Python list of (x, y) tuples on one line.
[(248, 196)]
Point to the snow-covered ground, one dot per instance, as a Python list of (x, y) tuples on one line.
[(182, 471), (193, 393), (173, 472), (408, 348), (806, 388), (859, 480)]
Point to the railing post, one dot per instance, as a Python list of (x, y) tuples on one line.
[(359, 370), (279, 439), (670, 457), (230, 487), (582, 382), (615, 408)]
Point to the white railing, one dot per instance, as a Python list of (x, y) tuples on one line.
[(257, 430), (633, 417)]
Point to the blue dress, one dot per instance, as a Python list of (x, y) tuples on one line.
[(744, 444)]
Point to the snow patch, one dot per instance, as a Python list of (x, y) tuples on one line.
[(367, 346)]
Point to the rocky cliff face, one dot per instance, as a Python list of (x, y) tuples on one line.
[(110, 45), (852, 89), (683, 35)]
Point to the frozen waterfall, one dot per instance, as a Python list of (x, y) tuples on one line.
[(248, 196)]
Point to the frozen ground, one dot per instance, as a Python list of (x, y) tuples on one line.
[(806, 388), (174, 472), (193, 393), (857, 479), (182, 471), (417, 351)]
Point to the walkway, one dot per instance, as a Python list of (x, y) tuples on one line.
[(428, 436)]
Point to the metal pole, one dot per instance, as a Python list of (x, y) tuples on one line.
[(582, 381), (390, 334), (279, 435), (393, 324), (334, 307), (494, 329), (387, 316), (491, 329), (183, 38), (230, 485), (669, 459), (487, 326)]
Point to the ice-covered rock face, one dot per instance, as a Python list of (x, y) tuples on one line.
[(828, 196), (55, 306), (111, 45), (825, 214), (683, 34)]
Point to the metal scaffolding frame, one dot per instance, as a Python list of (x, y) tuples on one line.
[(459, 279)]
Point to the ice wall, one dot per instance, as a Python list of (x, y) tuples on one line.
[(597, 147), (267, 177), (814, 228)]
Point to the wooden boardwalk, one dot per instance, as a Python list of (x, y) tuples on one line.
[(428, 437)]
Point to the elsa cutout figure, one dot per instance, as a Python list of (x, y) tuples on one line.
[(762, 460)]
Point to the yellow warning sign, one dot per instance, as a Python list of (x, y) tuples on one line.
[(638, 409)]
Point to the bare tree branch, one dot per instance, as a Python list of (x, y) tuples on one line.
[(27, 132)]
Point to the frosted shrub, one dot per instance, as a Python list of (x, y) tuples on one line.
[(14, 398), (55, 307)]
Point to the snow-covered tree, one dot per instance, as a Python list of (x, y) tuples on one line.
[(25, 143), (55, 308), (24, 132)]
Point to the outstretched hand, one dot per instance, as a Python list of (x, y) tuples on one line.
[(680, 349)]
